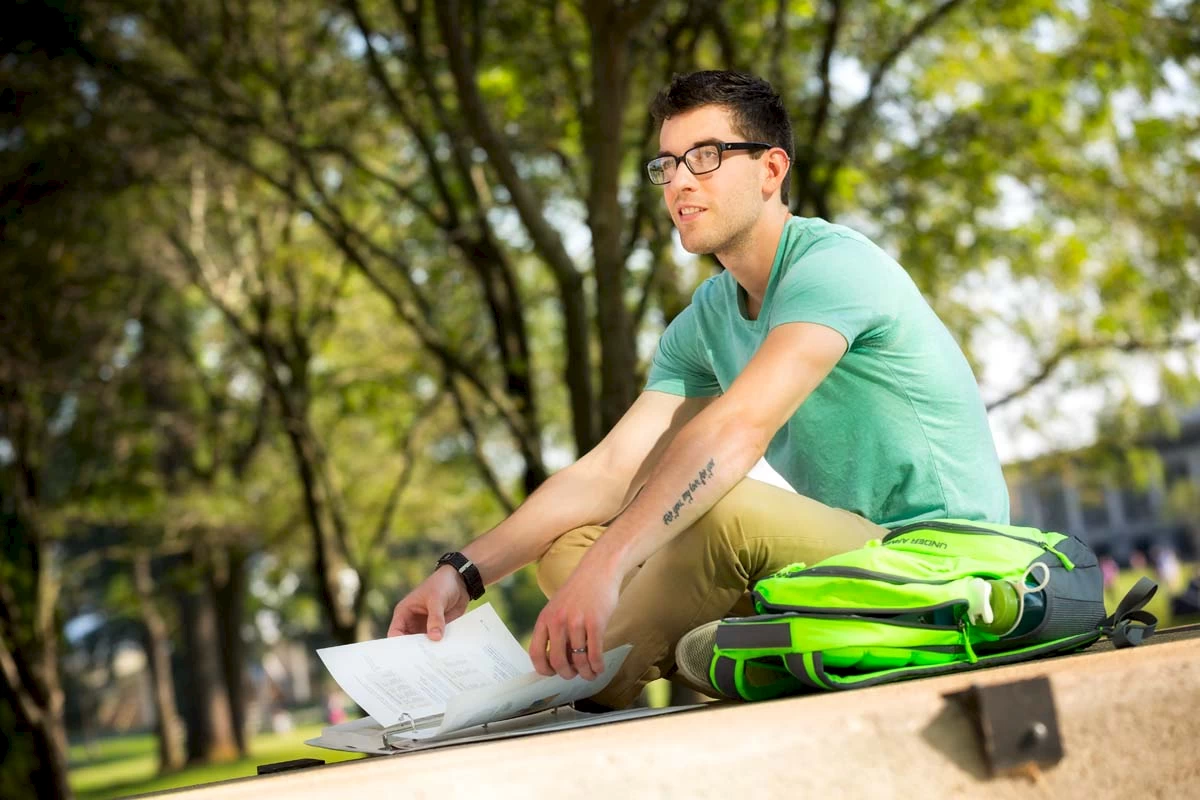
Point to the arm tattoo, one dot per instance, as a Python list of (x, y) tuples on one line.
[(701, 479)]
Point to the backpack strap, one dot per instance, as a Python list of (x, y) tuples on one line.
[(1120, 626)]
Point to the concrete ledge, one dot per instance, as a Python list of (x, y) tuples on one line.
[(1130, 724)]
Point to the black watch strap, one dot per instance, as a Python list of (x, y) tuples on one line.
[(467, 569)]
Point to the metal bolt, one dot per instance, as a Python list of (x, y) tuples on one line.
[(1035, 735)]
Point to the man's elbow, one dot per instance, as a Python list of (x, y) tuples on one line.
[(598, 487), (746, 439)]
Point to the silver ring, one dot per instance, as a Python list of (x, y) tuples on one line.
[(579, 649)]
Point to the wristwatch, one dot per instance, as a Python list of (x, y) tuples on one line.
[(467, 569)]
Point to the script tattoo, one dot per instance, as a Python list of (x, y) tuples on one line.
[(701, 479)]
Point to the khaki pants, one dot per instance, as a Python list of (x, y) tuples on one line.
[(703, 573)]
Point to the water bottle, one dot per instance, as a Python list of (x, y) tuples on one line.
[(1005, 603)]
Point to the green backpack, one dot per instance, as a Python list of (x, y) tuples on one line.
[(918, 602)]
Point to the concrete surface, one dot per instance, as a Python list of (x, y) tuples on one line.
[(1130, 724)]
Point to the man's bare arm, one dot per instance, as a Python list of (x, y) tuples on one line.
[(719, 446), (591, 491)]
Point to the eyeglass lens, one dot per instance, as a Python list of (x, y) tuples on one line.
[(701, 159)]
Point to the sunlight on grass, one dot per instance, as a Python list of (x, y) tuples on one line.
[(126, 765)]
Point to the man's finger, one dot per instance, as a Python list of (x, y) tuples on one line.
[(435, 623), (558, 645), (595, 653), (537, 649), (398, 626), (576, 641)]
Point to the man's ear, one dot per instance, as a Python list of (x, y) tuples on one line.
[(777, 165)]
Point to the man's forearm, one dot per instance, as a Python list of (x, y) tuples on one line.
[(707, 459), (569, 499)]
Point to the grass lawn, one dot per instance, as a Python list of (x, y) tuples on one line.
[(120, 766)]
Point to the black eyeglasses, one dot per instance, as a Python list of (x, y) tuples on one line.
[(700, 159)]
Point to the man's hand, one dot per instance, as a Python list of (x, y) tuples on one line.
[(574, 619), (441, 598)]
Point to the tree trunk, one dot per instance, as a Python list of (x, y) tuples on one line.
[(606, 116), (531, 209), (328, 557), (229, 594), (45, 773), (210, 721), (169, 726), (508, 318), (50, 747), (29, 644)]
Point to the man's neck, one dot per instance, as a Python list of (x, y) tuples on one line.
[(750, 263)]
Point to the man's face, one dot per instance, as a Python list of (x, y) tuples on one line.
[(715, 210)]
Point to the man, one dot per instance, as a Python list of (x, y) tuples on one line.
[(813, 347)]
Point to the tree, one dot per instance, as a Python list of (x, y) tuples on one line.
[(931, 154), (61, 291)]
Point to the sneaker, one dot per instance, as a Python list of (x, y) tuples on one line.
[(693, 657), (694, 654)]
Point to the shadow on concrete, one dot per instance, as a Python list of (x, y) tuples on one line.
[(953, 733)]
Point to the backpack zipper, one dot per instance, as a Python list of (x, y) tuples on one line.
[(954, 527), (859, 572), (884, 615)]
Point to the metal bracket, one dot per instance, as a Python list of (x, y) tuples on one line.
[(1018, 725)]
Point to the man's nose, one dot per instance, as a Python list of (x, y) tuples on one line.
[(682, 177)]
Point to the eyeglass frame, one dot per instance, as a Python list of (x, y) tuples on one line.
[(721, 148)]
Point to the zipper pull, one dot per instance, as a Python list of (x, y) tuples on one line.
[(962, 628), (1066, 562)]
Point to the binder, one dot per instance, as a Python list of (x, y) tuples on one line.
[(406, 726), (366, 736)]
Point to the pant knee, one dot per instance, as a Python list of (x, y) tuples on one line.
[(722, 522), (549, 571), (561, 558)]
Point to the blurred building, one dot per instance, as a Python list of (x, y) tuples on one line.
[(1124, 515)]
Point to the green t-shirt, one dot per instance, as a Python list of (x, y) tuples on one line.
[(897, 432)]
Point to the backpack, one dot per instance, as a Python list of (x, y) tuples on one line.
[(916, 603)]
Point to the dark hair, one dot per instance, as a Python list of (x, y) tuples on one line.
[(757, 110)]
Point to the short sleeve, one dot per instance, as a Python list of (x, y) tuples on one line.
[(681, 365), (846, 285)]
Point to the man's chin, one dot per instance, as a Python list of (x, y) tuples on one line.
[(696, 247)]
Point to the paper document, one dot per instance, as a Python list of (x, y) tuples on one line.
[(416, 676), (414, 688)]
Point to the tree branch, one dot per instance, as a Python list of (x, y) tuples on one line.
[(778, 40), (389, 91), (12, 676), (402, 479), (525, 200), (1073, 348), (828, 44), (546, 240), (806, 158), (562, 49), (341, 233), (852, 131), (481, 461), (636, 12)]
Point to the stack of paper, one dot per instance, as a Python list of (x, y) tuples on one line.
[(417, 690)]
